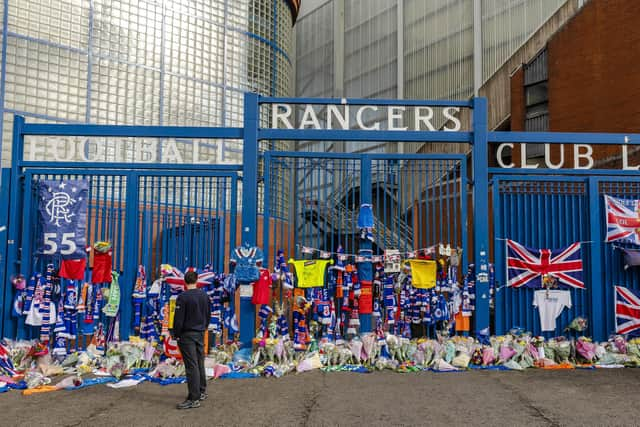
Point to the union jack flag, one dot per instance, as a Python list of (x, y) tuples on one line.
[(627, 311), (175, 278), (623, 219), (526, 266)]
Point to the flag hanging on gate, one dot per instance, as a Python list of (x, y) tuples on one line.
[(63, 215), (627, 311), (623, 219), (175, 278), (526, 266)]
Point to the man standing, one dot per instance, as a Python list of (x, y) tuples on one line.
[(190, 322)]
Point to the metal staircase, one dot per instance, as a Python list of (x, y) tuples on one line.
[(337, 218)]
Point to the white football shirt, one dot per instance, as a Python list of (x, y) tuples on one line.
[(550, 304)]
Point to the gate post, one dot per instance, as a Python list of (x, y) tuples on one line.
[(131, 254), (15, 222), (365, 269), (5, 180), (598, 311), (249, 203), (480, 160)]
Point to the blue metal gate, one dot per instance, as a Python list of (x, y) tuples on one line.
[(184, 215), (312, 200), (552, 212)]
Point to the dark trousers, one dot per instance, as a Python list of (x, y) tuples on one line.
[(191, 346)]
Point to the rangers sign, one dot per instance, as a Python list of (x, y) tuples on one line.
[(63, 216)]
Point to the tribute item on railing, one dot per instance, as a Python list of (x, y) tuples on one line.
[(63, 215)]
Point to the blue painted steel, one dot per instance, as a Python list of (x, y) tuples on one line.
[(480, 210), (15, 221), (542, 213), (132, 131), (363, 135), (5, 182), (149, 168), (131, 253), (597, 286), (564, 138), (365, 101), (366, 246), (249, 202), (566, 173), (3, 69)]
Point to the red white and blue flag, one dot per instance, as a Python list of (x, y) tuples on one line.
[(623, 219), (527, 266), (175, 278), (627, 311)]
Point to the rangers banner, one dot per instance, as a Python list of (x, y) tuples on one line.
[(623, 219), (63, 215)]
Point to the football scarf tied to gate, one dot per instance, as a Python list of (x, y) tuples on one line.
[(526, 267)]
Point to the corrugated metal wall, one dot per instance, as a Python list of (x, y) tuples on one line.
[(614, 273), (552, 213), (538, 214)]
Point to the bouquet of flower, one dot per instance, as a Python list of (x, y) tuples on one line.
[(586, 349), (488, 356), (579, 324)]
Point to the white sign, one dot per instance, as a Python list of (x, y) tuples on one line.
[(246, 291), (345, 116), (167, 151), (582, 157)]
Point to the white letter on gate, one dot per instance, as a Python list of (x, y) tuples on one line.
[(334, 111), (419, 118), (309, 118), (499, 155), (283, 117), (59, 155), (148, 148), (35, 149), (171, 154), (361, 125), (523, 159), (395, 113), (450, 117), (625, 160), (547, 157), (577, 156)]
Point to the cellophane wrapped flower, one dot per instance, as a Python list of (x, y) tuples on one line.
[(579, 324), (586, 349)]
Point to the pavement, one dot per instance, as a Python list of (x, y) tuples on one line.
[(530, 398)]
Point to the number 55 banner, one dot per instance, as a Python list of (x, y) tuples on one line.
[(63, 215)]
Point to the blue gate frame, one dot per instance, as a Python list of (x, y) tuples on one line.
[(580, 203), (251, 133), (126, 214)]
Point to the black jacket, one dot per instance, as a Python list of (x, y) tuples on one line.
[(192, 312)]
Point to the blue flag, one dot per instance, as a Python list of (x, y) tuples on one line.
[(62, 206)]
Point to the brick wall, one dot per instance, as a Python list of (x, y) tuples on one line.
[(594, 78)]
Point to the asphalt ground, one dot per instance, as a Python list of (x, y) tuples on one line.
[(531, 398)]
